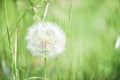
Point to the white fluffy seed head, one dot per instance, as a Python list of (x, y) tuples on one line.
[(45, 39)]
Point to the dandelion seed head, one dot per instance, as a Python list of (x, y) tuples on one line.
[(45, 39)]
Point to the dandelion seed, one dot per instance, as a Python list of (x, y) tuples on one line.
[(45, 39)]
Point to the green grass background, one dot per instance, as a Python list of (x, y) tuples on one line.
[(91, 30)]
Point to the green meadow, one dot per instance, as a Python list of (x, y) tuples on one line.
[(91, 28)]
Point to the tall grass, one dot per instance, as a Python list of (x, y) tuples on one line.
[(13, 57)]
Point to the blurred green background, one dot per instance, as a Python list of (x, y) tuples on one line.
[(91, 27)]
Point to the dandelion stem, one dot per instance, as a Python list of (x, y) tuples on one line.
[(44, 16), (46, 10), (45, 59)]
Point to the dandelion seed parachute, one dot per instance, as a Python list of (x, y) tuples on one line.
[(45, 39)]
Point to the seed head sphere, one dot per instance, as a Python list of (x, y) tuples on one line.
[(45, 39)]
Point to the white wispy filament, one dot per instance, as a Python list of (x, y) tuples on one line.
[(45, 39)]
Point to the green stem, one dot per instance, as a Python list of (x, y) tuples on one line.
[(17, 21), (7, 23), (70, 18), (45, 60), (46, 10), (15, 54), (9, 41)]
